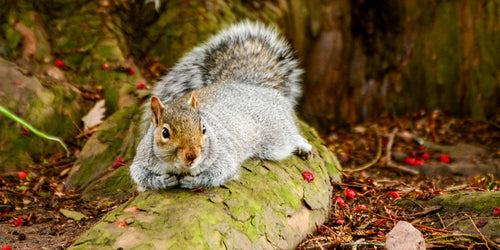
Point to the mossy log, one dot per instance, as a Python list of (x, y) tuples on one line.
[(270, 206)]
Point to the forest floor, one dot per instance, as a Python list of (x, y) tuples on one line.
[(36, 212)]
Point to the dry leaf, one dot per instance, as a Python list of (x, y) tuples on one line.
[(95, 116), (29, 40)]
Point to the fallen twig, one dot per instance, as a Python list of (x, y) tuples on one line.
[(473, 236), (389, 162), (377, 156), (477, 229)]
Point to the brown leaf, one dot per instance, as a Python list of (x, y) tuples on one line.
[(29, 40), (95, 116)]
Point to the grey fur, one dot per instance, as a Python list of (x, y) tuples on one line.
[(248, 83)]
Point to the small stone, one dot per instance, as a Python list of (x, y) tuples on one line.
[(53, 232), (404, 236), (15, 232), (36, 241)]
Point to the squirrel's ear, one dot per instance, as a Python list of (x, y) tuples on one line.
[(157, 108), (193, 100)]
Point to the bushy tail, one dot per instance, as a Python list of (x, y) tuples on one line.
[(245, 53)]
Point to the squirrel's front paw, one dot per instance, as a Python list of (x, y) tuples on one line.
[(164, 181), (191, 182), (304, 149)]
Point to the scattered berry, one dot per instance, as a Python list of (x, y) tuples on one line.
[(380, 233), (24, 132), (361, 207), (419, 162), (339, 201), (426, 156), (349, 193), (410, 161), (372, 181), (20, 222), (308, 176), (105, 66), (393, 215), (12, 221), (141, 85), (22, 174), (444, 158), (496, 211), (118, 162), (421, 146), (344, 158), (6, 247), (414, 154), (340, 221), (394, 194), (59, 63), (131, 71), (481, 223)]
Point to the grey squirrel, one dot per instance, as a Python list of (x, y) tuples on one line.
[(228, 100)]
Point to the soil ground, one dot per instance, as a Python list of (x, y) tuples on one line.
[(38, 201)]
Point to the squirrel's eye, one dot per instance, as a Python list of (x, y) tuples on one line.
[(204, 129), (165, 133)]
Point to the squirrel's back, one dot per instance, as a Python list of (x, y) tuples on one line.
[(245, 53)]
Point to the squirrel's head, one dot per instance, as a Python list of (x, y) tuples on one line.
[(179, 133)]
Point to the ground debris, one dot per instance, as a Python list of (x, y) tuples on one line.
[(433, 142)]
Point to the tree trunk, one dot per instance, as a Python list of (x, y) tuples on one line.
[(369, 58)]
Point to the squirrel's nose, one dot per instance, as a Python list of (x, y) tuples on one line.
[(189, 156)]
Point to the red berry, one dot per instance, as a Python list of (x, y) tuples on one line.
[(421, 146), (22, 174), (118, 162), (131, 71), (340, 221), (444, 158), (380, 233), (393, 215), (349, 193), (410, 161), (496, 211), (25, 132), (6, 247), (394, 194), (344, 158), (361, 207), (12, 221), (308, 176), (141, 85), (481, 223), (426, 156), (20, 222), (105, 66), (339, 201), (59, 63), (414, 154), (419, 162)]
